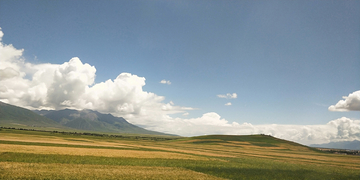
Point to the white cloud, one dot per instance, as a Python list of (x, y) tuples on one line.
[(342, 129), (228, 96), (350, 103), (346, 129), (165, 82), (228, 104), (71, 85)]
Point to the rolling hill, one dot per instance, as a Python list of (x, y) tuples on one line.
[(259, 140)]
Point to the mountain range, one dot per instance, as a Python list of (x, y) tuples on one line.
[(68, 119), (351, 145), (93, 121)]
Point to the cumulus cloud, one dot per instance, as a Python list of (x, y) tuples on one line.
[(228, 96), (342, 129), (346, 129), (349, 103), (165, 82), (71, 85), (228, 104)]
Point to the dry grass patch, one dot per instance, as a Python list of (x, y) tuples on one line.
[(94, 152), (275, 153), (329, 159), (12, 170), (182, 150), (69, 141)]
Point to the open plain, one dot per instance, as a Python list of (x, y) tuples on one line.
[(48, 155)]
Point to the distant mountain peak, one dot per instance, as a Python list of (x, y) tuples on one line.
[(92, 120)]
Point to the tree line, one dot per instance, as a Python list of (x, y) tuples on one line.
[(135, 137)]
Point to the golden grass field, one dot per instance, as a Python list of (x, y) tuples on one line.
[(44, 155), (81, 171)]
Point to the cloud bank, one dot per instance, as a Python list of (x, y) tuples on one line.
[(342, 129), (71, 85), (350, 103)]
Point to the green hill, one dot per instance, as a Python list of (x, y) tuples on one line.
[(259, 140), (20, 117), (254, 139)]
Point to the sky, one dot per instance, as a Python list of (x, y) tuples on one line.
[(286, 68)]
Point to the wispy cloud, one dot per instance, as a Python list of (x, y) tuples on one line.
[(228, 96), (228, 104), (165, 82), (185, 114)]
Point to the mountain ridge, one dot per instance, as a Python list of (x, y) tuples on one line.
[(68, 119), (93, 121)]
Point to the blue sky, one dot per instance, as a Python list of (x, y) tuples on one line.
[(287, 61)]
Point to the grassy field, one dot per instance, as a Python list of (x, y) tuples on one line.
[(45, 155)]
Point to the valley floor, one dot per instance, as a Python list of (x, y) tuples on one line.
[(45, 155)]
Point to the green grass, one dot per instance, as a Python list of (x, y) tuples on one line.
[(255, 139), (238, 168), (70, 133)]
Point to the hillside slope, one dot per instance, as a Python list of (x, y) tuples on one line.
[(253, 141), (17, 116)]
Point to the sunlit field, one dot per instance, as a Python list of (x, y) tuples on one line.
[(45, 155)]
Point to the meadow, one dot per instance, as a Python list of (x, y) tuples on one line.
[(47, 155)]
